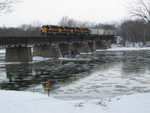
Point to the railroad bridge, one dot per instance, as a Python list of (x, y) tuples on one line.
[(22, 49)]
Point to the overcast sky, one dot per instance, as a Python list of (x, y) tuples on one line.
[(51, 11)]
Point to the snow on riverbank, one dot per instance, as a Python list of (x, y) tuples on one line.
[(28, 102), (115, 48), (128, 48)]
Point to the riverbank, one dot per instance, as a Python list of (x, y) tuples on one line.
[(28, 102)]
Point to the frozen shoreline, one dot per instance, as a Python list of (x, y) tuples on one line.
[(128, 48), (28, 102), (115, 48)]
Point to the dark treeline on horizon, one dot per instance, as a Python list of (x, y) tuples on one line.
[(132, 31), (35, 28)]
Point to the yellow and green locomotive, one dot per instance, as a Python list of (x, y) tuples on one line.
[(51, 30)]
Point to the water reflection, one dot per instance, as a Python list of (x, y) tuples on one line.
[(31, 76), (117, 73), (18, 76), (102, 74)]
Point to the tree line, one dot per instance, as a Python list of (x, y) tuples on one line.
[(23, 30), (34, 29), (137, 29)]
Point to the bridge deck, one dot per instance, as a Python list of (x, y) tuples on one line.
[(30, 41)]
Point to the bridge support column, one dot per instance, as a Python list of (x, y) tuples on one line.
[(47, 51), (92, 46), (82, 47), (101, 45), (85, 47), (109, 44), (71, 47), (64, 48), (18, 54)]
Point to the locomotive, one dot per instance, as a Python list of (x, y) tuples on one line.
[(52, 30)]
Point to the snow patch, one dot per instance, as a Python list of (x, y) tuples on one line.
[(29, 102)]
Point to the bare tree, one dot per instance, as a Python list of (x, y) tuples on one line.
[(23, 30), (141, 9), (63, 21), (85, 24), (135, 31), (6, 5), (71, 23), (66, 21)]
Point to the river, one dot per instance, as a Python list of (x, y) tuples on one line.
[(95, 75)]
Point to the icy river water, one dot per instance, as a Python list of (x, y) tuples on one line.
[(95, 75)]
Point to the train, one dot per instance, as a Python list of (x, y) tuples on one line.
[(53, 30)]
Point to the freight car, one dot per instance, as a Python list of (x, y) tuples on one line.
[(51, 30), (101, 32)]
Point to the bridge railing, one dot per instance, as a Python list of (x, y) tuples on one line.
[(9, 41)]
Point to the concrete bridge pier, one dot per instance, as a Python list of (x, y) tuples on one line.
[(74, 46), (18, 54), (64, 48), (71, 47), (92, 46), (49, 51), (101, 45), (82, 47), (85, 47), (109, 44)]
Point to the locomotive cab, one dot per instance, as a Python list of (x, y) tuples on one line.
[(44, 30)]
